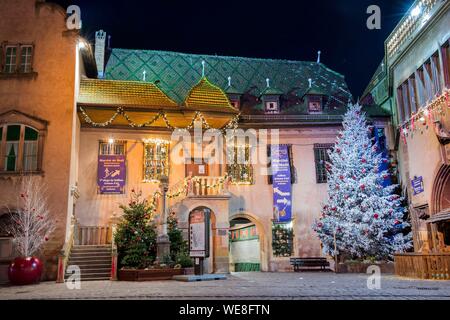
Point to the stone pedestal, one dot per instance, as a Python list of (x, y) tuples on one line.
[(162, 247)]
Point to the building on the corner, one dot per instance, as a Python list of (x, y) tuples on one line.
[(38, 120), (413, 81)]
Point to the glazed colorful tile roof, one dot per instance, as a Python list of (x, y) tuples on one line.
[(178, 73), (123, 93), (205, 96)]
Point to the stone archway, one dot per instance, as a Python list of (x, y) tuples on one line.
[(263, 239), (217, 262), (441, 190), (439, 229)]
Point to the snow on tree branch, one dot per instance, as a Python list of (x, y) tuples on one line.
[(364, 214)]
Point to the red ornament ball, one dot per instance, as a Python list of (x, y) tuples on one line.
[(376, 216), (362, 187)]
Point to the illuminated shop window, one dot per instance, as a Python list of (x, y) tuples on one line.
[(156, 160)]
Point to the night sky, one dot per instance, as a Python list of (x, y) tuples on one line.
[(277, 29)]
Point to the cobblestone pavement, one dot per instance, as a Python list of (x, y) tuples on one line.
[(244, 286)]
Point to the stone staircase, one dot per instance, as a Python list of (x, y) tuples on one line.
[(94, 262)]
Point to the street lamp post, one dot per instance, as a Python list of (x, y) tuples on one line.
[(163, 242)]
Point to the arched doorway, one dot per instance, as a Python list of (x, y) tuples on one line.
[(440, 218), (245, 245), (209, 264)]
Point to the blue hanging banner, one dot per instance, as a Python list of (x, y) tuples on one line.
[(282, 186)]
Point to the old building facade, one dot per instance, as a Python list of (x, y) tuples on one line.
[(413, 82), (38, 76), (96, 137), (145, 95)]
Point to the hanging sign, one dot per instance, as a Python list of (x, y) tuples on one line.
[(282, 187), (417, 185), (111, 174), (199, 233)]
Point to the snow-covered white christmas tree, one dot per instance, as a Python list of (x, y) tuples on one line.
[(361, 217)]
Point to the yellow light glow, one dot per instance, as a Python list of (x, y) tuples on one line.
[(155, 141)]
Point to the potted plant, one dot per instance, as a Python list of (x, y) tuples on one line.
[(31, 227)]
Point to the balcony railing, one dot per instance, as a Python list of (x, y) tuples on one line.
[(93, 236), (208, 186)]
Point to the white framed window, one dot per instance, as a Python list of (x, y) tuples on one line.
[(10, 59), (17, 58), (26, 56), (20, 148)]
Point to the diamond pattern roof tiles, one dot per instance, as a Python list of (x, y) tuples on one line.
[(177, 73)]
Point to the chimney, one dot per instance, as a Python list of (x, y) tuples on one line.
[(100, 44)]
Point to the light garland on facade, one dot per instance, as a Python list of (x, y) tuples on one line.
[(156, 141), (231, 125), (416, 17), (426, 115)]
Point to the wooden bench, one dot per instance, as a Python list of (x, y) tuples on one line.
[(314, 262)]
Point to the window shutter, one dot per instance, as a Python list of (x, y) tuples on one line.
[(269, 156), (445, 65), (291, 162), (420, 89), (400, 104)]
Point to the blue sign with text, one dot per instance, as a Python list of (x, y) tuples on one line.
[(282, 187), (417, 185)]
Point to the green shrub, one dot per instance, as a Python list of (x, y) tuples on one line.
[(184, 260)]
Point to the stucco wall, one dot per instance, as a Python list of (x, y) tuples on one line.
[(48, 96), (423, 150)]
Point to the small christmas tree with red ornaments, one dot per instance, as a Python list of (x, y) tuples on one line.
[(361, 216)]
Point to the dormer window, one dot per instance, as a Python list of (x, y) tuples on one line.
[(272, 107), (235, 104), (315, 104), (271, 99)]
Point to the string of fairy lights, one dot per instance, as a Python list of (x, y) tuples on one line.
[(425, 116), (184, 189), (198, 116)]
